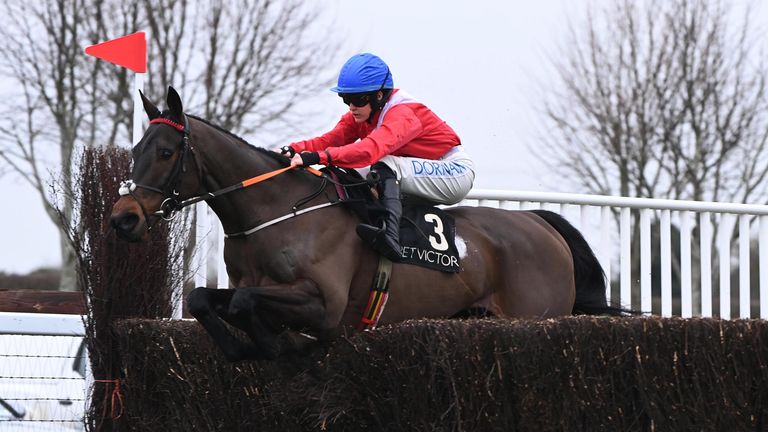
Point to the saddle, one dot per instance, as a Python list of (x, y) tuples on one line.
[(427, 233)]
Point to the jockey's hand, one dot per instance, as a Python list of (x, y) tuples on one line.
[(305, 159), (286, 150)]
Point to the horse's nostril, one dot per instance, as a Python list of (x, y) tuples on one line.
[(124, 222)]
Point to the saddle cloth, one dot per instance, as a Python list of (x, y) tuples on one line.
[(428, 238), (427, 233)]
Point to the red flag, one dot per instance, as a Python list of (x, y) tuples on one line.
[(127, 51)]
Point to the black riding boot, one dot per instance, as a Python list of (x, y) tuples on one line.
[(386, 240)]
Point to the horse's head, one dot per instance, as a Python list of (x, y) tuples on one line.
[(164, 171)]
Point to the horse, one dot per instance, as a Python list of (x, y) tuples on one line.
[(305, 276)]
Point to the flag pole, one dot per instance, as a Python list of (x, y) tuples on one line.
[(138, 105), (138, 109), (130, 52)]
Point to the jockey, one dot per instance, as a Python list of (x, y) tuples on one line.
[(408, 147)]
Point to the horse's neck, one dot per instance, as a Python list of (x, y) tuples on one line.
[(228, 162)]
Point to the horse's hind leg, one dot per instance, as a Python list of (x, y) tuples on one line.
[(207, 305)]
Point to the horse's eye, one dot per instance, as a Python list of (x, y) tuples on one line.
[(166, 153)]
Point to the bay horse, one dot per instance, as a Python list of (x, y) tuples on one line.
[(307, 276)]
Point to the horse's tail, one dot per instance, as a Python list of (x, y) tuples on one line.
[(588, 273)]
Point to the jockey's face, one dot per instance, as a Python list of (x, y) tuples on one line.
[(360, 113)]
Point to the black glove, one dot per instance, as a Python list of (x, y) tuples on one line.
[(287, 150), (310, 158)]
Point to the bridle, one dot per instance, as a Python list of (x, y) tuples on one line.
[(171, 204)]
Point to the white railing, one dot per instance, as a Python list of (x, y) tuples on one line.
[(609, 224), (37, 378)]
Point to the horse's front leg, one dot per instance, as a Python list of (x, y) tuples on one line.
[(265, 312), (209, 306)]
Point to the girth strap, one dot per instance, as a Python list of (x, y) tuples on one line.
[(378, 296)]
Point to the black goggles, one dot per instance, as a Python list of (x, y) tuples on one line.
[(357, 99)]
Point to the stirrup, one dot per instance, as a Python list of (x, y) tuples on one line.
[(376, 238), (384, 249), (369, 233)]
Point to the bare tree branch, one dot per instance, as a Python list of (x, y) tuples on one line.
[(661, 99), (244, 64)]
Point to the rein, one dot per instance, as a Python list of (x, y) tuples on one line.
[(171, 205), (243, 184)]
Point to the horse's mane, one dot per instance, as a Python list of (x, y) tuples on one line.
[(281, 159), (358, 198)]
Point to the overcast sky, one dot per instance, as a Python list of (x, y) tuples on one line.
[(479, 65)]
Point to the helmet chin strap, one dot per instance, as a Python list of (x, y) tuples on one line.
[(377, 104)]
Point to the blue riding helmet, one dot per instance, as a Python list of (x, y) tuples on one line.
[(364, 73)]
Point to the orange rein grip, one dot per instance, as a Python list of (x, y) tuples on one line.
[(314, 171), (269, 175), (265, 176)]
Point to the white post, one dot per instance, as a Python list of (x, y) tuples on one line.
[(485, 203), (665, 237), (724, 249), (705, 232), (138, 108), (221, 272), (605, 248), (744, 271), (202, 228), (686, 293), (625, 231), (763, 266), (646, 299)]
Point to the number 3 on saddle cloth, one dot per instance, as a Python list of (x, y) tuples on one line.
[(427, 233), (428, 238)]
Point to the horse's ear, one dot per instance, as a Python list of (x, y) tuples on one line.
[(174, 103), (149, 107)]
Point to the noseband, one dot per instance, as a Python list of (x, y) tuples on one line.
[(170, 204)]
